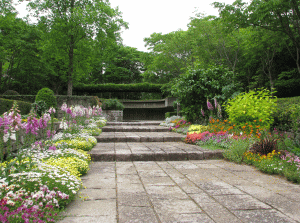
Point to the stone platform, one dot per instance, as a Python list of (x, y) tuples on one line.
[(168, 181)]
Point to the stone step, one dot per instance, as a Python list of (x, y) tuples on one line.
[(132, 128), (134, 123), (151, 151), (107, 137)]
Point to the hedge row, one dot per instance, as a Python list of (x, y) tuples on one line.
[(92, 89), (6, 105)]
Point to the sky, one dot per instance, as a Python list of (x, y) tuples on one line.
[(148, 16)]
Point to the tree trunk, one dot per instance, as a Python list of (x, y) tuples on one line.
[(70, 71), (71, 55)]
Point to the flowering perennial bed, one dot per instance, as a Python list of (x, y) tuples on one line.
[(42, 177)]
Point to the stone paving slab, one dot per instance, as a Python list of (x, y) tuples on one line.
[(135, 123), (183, 191), (151, 151), (137, 128), (139, 137)]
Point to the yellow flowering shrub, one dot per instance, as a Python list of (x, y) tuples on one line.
[(197, 128), (78, 144), (73, 165)]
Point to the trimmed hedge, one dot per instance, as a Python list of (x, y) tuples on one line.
[(6, 105), (96, 88)]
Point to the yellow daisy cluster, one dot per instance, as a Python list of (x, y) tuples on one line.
[(77, 144), (197, 128), (73, 165), (258, 158)]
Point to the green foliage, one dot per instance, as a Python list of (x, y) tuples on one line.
[(199, 84), (40, 107), (236, 150), (6, 105), (10, 92), (169, 114), (287, 108), (251, 107), (112, 104), (139, 87), (46, 95)]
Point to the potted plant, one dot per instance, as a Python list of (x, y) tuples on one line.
[(113, 110)]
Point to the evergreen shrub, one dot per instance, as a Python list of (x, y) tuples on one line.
[(46, 95)]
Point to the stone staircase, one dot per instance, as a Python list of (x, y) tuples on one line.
[(145, 141)]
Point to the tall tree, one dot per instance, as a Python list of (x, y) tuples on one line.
[(275, 15), (72, 22)]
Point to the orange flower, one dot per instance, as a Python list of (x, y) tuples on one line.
[(250, 126), (260, 120), (254, 120), (218, 120), (225, 120), (244, 127)]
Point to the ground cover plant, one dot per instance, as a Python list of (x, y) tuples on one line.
[(42, 176)]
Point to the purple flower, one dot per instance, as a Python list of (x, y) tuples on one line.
[(216, 103), (202, 112), (52, 148), (209, 106)]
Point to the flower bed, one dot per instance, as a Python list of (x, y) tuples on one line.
[(270, 152), (44, 176)]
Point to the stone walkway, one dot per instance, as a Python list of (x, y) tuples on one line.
[(194, 189)]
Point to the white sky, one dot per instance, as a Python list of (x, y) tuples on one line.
[(148, 16)]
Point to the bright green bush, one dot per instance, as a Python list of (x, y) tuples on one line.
[(251, 107), (46, 95)]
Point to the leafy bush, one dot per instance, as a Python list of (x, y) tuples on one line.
[(39, 107), (287, 113), (199, 84), (10, 92), (112, 104), (252, 107), (46, 95), (237, 149)]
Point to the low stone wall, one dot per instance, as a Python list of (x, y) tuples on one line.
[(113, 115)]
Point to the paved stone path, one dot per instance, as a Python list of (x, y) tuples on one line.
[(180, 191)]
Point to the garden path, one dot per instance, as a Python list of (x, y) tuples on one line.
[(148, 175)]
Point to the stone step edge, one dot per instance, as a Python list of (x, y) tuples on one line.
[(140, 139), (157, 157), (132, 123), (133, 130)]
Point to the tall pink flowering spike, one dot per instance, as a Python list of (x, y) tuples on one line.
[(209, 106), (202, 112), (216, 103)]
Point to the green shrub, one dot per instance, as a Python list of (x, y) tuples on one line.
[(251, 107), (39, 107), (46, 95), (6, 105), (236, 150), (287, 113), (10, 92), (199, 84), (112, 104), (169, 114)]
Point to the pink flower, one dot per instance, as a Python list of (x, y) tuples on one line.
[(202, 112), (209, 106)]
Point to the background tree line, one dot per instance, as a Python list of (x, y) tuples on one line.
[(256, 45)]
